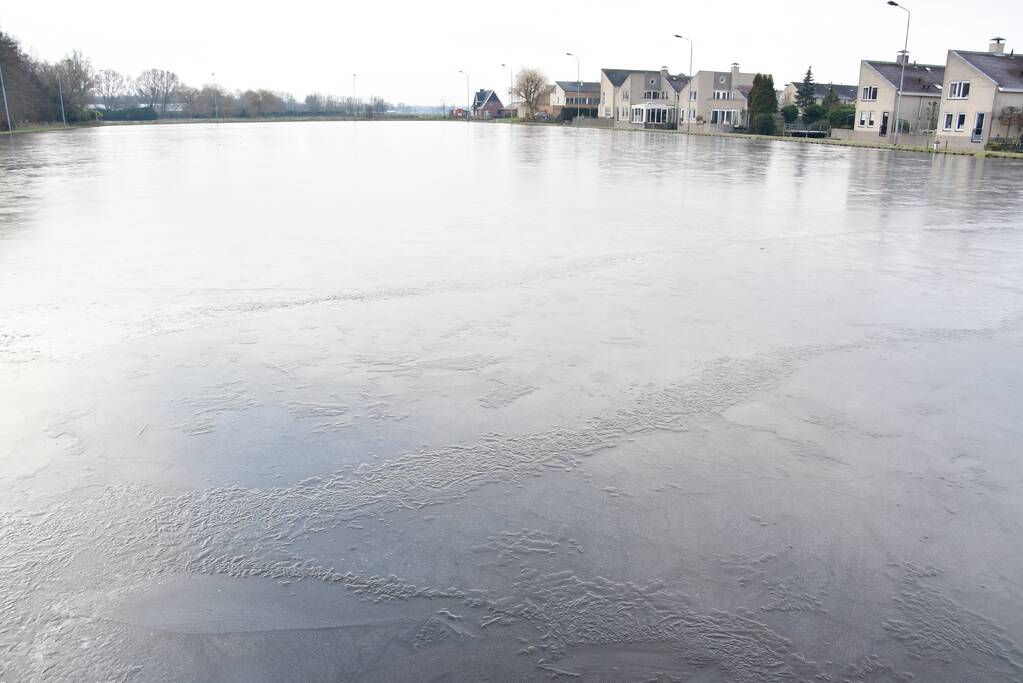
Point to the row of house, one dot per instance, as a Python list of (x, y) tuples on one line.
[(971, 98)]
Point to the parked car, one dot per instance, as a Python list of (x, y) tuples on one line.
[(541, 116)]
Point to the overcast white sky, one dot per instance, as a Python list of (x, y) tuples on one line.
[(411, 50)]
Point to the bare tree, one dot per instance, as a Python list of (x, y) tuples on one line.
[(530, 84), (77, 78), (156, 86), (1011, 116), (111, 86)]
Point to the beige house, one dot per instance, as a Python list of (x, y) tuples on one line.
[(717, 100), (878, 91), (846, 93), (543, 104), (640, 99), (981, 90), (571, 97)]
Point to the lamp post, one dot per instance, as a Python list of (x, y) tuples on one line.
[(355, 109), (468, 100), (689, 117), (60, 91), (578, 83), (902, 76), (216, 104), (7, 110), (511, 89)]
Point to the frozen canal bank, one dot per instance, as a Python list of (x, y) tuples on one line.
[(441, 402)]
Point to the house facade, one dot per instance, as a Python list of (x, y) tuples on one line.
[(981, 90), (640, 99), (878, 93), (717, 101), (846, 93), (486, 105), (569, 98)]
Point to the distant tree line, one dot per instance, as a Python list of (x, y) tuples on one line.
[(35, 89)]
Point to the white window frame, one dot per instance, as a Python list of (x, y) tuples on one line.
[(960, 121), (870, 93), (948, 120), (870, 119), (863, 118), (958, 90)]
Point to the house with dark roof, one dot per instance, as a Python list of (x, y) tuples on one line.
[(982, 98), (878, 98), (640, 99), (717, 100), (572, 98), (486, 105), (846, 93)]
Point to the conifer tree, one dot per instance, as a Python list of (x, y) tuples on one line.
[(805, 95)]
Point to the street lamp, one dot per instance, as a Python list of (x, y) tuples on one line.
[(7, 110), (578, 83), (216, 105), (468, 100), (511, 89), (689, 117), (902, 76), (355, 109)]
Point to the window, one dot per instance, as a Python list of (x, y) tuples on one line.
[(947, 124), (722, 95), (863, 118), (637, 115), (652, 95), (870, 92), (958, 90), (724, 116), (870, 119), (961, 121)]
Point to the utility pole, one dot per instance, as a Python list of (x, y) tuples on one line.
[(355, 108), (902, 76), (7, 110), (689, 97), (578, 83)]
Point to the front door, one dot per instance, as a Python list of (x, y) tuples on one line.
[(978, 127), (884, 124)]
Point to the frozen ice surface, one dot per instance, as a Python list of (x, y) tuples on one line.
[(436, 401)]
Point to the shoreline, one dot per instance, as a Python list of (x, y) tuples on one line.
[(830, 142)]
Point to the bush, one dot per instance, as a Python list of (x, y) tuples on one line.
[(132, 114), (764, 124), (842, 116), (813, 112), (790, 112)]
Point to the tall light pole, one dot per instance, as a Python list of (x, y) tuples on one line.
[(578, 83), (902, 76), (216, 104), (60, 91), (511, 89), (7, 110), (354, 110), (468, 106), (689, 113)]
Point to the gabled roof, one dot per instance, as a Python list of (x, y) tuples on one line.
[(844, 92), (575, 86), (921, 79), (618, 76), (679, 82), (483, 97), (1005, 70), (744, 90)]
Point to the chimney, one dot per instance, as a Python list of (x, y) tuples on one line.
[(997, 46), (665, 73), (735, 73), (902, 56)]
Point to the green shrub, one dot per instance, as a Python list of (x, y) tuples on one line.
[(843, 116), (813, 113), (790, 112), (764, 124)]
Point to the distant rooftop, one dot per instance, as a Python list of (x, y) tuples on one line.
[(576, 86)]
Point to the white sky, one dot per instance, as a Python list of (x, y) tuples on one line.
[(411, 50)]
